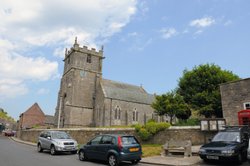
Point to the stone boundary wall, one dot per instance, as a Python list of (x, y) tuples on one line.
[(83, 135), (192, 133)]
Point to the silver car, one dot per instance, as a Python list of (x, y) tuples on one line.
[(56, 141)]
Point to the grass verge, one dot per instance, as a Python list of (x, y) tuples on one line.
[(151, 150)]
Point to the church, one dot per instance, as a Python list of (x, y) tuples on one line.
[(85, 99)]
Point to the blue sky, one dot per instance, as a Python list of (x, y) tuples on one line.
[(146, 42)]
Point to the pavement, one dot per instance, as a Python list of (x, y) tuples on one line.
[(174, 160)]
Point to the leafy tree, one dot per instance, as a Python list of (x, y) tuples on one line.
[(200, 88), (171, 104), (4, 115)]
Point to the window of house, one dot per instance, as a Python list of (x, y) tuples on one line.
[(89, 59), (117, 112), (247, 106), (135, 115)]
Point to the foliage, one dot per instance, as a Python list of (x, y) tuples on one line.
[(151, 150), (200, 88), (4, 115), (188, 122), (149, 129), (144, 134), (171, 104)]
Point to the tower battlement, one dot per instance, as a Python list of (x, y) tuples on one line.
[(83, 49)]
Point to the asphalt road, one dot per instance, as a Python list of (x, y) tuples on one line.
[(17, 154), (222, 164)]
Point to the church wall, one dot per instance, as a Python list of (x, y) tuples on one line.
[(99, 115), (83, 88), (77, 116), (145, 112), (233, 97)]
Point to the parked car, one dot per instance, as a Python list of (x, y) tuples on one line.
[(229, 144), (56, 141), (112, 148), (9, 133)]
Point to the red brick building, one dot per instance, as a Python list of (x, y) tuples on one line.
[(32, 117)]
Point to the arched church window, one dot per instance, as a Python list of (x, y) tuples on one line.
[(117, 112), (135, 115)]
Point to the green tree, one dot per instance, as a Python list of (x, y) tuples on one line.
[(200, 88), (171, 104), (4, 115)]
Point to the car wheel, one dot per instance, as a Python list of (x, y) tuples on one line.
[(239, 159), (39, 148), (135, 161), (52, 150), (113, 160), (82, 156)]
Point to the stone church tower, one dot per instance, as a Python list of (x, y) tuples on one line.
[(76, 98), (86, 99)]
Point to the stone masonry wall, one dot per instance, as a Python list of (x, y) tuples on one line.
[(233, 96), (83, 135)]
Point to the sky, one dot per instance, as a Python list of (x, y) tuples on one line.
[(146, 42)]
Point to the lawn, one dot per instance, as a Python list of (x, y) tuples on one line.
[(151, 150)]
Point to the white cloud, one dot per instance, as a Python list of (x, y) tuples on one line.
[(168, 32), (16, 69), (10, 88), (132, 34), (26, 68), (43, 22), (43, 91), (29, 25), (202, 23)]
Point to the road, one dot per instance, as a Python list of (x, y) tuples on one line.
[(222, 164), (17, 154)]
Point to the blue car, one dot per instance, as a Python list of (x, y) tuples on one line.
[(112, 148)]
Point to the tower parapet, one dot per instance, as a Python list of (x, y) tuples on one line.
[(84, 50)]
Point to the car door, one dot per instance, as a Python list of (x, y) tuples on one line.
[(91, 148), (41, 139), (105, 146), (47, 140)]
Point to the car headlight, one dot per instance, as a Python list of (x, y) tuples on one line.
[(229, 152), (59, 143)]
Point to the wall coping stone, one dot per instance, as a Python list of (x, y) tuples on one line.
[(183, 127), (85, 129)]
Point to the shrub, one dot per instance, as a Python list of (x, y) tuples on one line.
[(149, 129), (137, 127), (144, 134), (189, 122), (162, 126)]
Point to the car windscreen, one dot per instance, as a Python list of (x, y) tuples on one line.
[(60, 135), (128, 140), (227, 137)]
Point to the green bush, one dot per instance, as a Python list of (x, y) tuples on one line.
[(151, 120), (162, 126), (149, 129), (189, 122), (144, 134), (137, 127)]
